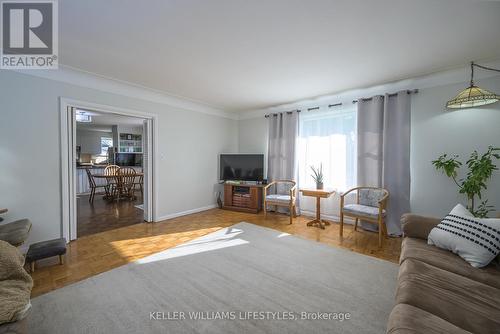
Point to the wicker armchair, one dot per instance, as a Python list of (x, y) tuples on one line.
[(370, 207), (285, 200)]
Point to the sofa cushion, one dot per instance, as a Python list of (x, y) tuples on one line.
[(476, 240), (362, 210), (408, 319), (285, 199), (416, 226), (418, 249), (467, 304), (15, 233)]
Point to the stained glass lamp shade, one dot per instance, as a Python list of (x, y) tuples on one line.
[(473, 96)]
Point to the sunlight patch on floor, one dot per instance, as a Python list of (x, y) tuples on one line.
[(221, 239)]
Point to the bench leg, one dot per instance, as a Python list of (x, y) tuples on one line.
[(61, 259), (32, 266)]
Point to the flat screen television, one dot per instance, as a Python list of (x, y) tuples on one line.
[(241, 167), (128, 159)]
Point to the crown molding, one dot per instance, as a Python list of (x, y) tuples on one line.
[(441, 78), (74, 76)]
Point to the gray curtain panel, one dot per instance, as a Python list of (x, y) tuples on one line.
[(384, 152), (282, 147)]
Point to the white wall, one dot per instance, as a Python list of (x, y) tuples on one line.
[(434, 131), (30, 175), (90, 141)]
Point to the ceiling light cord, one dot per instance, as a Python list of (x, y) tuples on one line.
[(472, 73), (472, 64), (485, 67)]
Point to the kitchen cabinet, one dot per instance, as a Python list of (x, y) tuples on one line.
[(82, 182), (130, 143)]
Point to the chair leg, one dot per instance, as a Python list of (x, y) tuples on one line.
[(265, 209), (291, 213), (341, 229), (32, 264), (61, 259), (356, 224), (380, 232), (294, 211)]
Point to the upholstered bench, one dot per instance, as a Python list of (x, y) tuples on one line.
[(45, 249)]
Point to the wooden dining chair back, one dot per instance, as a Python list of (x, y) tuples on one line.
[(371, 203), (281, 193), (112, 180), (126, 181), (93, 185), (111, 170), (139, 183)]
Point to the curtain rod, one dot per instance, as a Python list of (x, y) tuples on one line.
[(414, 91)]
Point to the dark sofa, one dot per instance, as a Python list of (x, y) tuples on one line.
[(439, 292)]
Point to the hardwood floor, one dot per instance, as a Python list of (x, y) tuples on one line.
[(104, 215), (97, 253)]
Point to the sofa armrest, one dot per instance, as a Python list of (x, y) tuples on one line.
[(415, 226)]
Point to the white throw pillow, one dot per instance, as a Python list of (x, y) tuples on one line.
[(476, 240)]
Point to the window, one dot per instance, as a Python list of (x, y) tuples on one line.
[(106, 142), (327, 137)]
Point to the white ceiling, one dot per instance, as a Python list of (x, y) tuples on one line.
[(104, 121), (239, 55)]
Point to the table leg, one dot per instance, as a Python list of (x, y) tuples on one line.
[(318, 209), (318, 221)]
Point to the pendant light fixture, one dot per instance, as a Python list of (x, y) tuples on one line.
[(473, 96)]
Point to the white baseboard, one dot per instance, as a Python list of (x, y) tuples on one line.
[(184, 213)]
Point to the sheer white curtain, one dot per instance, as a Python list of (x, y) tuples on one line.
[(327, 137)]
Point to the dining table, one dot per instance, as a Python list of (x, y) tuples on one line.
[(111, 176)]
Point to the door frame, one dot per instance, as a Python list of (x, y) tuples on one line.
[(68, 166)]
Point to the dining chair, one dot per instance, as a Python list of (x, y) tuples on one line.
[(285, 195), (112, 180), (370, 206), (94, 186), (126, 182), (139, 181)]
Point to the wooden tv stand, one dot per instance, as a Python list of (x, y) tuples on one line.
[(243, 197)]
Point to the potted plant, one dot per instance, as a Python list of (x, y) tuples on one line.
[(480, 168), (318, 176)]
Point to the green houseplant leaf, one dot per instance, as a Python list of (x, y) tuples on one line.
[(480, 169)]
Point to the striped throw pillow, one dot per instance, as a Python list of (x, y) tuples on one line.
[(476, 240)]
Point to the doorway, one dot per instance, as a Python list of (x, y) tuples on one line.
[(107, 168)]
